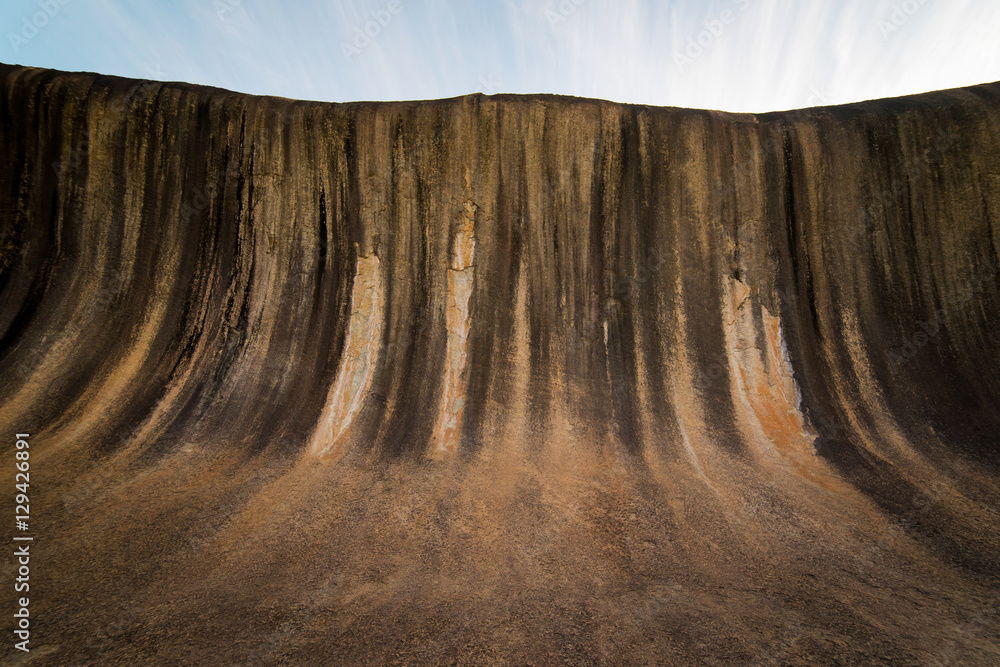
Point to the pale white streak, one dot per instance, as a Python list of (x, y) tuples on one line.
[(461, 275), (357, 363), (692, 455)]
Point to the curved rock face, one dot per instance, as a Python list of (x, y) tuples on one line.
[(502, 379)]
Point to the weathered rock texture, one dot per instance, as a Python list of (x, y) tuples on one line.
[(523, 380)]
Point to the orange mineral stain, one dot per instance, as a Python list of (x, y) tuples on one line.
[(766, 383)]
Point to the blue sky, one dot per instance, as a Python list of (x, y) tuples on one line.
[(734, 55)]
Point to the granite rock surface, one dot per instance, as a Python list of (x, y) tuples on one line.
[(502, 379)]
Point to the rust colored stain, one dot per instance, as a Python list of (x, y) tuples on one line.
[(767, 384)]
